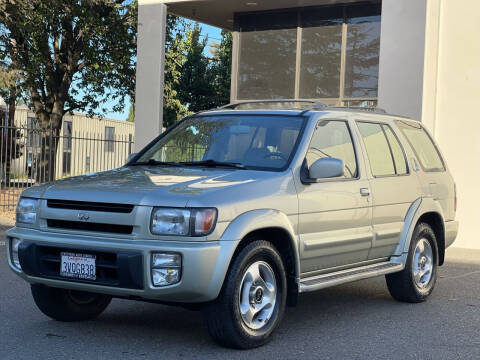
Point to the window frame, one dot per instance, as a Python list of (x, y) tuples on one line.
[(382, 124), (417, 158), (304, 168)]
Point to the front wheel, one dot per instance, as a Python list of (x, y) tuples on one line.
[(252, 301), (69, 305), (416, 282)]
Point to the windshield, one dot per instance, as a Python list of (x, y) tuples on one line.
[(254, 142)]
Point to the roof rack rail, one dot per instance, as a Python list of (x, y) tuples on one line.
[(313, 103), (371, 109)]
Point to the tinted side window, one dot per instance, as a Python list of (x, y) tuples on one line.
[(332, 138), (378, 151), (397, 151), (423, 146)]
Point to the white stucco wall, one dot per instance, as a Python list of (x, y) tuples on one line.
[(402, 44), (152, 17), (451, 97)]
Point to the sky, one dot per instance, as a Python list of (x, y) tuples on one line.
[(213, 33)]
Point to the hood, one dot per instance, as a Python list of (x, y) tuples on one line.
[(144, 185)]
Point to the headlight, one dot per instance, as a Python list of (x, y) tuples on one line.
[(27, 210), (183, 222)]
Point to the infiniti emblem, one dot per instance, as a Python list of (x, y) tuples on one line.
[(83, 216)]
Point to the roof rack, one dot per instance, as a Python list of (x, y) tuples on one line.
[(252, 104), (371, 109), (307, 105)]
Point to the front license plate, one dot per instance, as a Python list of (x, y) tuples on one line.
[(78, 266)]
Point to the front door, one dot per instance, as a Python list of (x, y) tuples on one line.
[(335, 214)]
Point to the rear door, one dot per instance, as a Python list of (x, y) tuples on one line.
[(393, 186)]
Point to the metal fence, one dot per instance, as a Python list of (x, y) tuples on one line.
[(31, 156)]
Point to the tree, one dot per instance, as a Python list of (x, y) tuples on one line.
[(173, 109), (222, 68), (12, 147), (72, 55), (131, 113), (195, 87)]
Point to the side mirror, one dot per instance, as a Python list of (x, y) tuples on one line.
[(130, 157), (325, 168)]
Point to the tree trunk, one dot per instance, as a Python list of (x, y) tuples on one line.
[(10, 146), (45, 169)]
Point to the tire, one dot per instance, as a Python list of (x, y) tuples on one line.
[(69, 305), (410, 285), (239, 294)]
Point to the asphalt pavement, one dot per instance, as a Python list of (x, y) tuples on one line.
[(354, 321)]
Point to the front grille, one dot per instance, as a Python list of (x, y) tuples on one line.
[(90, 206), (119, 269), (87, 226)]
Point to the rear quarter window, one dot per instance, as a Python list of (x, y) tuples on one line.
[(423, 146)]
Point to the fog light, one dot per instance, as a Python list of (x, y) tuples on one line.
[(14, 246), (166, 268), (164, 277)]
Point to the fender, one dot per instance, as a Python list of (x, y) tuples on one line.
[(261, 219), (416, 210)]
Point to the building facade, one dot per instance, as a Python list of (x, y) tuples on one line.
[(417, 58), (85, 144)]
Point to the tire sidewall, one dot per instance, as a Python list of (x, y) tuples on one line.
[(258, 251), (423, 231)]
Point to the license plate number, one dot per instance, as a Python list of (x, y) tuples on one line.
[(78, 266)]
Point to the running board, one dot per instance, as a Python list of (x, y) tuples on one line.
[(345, 276)]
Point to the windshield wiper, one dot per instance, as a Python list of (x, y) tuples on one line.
[(214, 163), (153, 162)]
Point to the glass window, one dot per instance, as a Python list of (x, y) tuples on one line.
[(87, 164), (67, 135), (267, 61), (423, 146), (362, 52), (256, 142), (33, 133), (268, 46), (130, 144), (378, 151), (332, 138), (397, 151), (321, 53), (109, 138), (67, 162)]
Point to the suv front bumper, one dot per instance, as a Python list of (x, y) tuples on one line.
[(204, 265)]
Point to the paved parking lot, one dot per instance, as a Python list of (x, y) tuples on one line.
[(355, 321)]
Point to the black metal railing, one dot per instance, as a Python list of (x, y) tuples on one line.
[(31, 156)]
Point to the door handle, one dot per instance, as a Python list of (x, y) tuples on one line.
[(365, 192)]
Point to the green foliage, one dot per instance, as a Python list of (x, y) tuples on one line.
[(193, 81), (72, 54), (131, 113), (222, 68), (196, 87), (173, 109)]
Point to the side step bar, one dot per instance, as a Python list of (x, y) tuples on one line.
[(345, 276)]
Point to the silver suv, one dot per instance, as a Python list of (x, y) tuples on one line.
[(237, 211)]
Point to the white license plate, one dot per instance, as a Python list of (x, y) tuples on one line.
[(78, 266)]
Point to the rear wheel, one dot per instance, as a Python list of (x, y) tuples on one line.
[(417, 281), (252, 301), (69, 305)]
